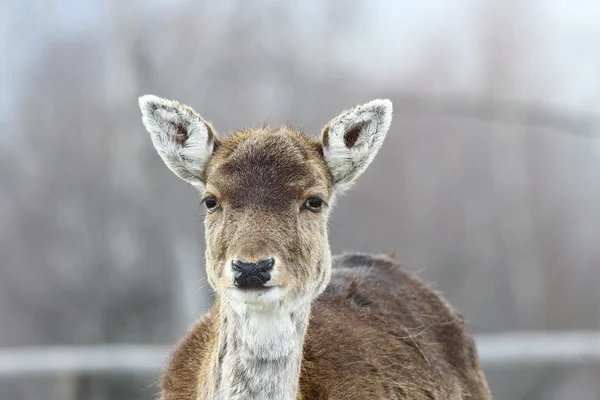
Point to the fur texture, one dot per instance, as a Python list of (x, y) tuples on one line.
[(180, 136), (260, 351), (376, 333), (352, 139)]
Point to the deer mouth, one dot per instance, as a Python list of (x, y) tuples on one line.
[(259, 295), (253, 287)]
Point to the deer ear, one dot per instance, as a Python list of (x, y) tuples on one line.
[(352, 139), (184, 140)]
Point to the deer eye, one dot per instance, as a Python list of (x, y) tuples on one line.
[(210, 203), (313, 204)]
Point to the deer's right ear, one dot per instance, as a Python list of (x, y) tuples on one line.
[(181, 137)]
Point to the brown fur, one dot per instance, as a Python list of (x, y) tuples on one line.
[(376, 333), (262, 177)]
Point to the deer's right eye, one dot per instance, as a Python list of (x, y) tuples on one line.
[(210, 203)]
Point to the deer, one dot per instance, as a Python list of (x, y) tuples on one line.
[(290, 321)]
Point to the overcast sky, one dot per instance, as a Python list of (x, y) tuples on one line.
[(559, 62)]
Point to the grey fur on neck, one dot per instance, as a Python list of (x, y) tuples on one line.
[(260, 353)]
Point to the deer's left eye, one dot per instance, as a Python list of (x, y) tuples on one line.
[(313, 204)]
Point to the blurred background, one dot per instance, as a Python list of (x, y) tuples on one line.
[(487, 187)]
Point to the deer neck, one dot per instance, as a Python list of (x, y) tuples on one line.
[(258, 352)]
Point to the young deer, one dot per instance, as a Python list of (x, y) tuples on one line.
[(290, 322)]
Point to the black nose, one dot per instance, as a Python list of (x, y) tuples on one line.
[(252, 275)]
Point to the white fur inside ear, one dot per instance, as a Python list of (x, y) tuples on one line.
[(181, 137), (352, 139)]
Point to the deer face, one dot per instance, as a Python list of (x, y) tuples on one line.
[(267, 195)]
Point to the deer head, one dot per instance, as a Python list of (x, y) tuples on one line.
[(267, 193)]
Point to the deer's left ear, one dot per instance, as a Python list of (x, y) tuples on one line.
[(352, 139)]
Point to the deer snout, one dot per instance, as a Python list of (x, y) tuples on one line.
[(252, 275)]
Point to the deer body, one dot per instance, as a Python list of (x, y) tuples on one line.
[(289, 322)]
